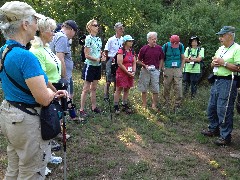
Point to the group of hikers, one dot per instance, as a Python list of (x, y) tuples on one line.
[(46, 70)]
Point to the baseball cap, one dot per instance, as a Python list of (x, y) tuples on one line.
[(226, 29), (72, 24), (174, 39), (15, 10), (127, 38), (118, 25)]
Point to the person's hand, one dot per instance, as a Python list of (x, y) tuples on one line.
[(61, 93), (216, 61), (131, 74)]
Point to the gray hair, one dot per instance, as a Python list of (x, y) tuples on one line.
[(44, 24), (233, 34), (10, 28), (150, 34)]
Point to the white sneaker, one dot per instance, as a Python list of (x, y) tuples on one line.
[(55, 160), (47, 171)]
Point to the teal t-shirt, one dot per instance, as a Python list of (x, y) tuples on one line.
[(230, 55), (193, 67), (173, 55), (95, 45)]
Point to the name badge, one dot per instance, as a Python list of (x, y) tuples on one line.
[(191, 63), (174, 64), (129, 69)]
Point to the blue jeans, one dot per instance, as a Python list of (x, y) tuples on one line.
[(190, 80), (220, 108)]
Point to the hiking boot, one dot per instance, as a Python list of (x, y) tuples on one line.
[(116, 109), (222, 142), (55, 146), (211, 133), (126, 109), (83, 114), (96, 110)]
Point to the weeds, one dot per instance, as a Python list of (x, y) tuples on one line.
[(145, 145)]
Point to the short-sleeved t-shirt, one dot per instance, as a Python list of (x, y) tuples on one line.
[(60, 44), (113, 45), (193, 67), (173, 55), (49, 62), (230, 55), (95, 45), (20, 64), (151, 55)]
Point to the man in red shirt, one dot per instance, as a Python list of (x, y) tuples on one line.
[(151, 58)]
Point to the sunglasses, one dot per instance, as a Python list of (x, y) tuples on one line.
[(130, 41), (95, 25)]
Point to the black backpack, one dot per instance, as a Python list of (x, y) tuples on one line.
[(114, 65)]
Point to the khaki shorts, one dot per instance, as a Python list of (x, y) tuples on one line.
[(27, 152), (149, 80)]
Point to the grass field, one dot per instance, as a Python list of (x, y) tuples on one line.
[(145, 145)]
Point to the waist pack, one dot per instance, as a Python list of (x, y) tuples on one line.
[(50, 120)]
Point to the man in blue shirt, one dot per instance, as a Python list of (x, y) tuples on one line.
[(173, 66)]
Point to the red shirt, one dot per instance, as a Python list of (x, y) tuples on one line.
[(151, 55), (127, 61)]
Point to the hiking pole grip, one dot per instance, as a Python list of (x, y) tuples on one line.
[(64, 103)]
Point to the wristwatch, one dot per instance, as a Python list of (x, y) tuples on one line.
[(225, 64)]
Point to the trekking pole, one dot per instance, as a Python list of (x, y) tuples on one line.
[(64, 107), (229, 94)]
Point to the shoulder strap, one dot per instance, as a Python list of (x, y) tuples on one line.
[(5, 52), (189, 50), (198, 50), (180, 47)]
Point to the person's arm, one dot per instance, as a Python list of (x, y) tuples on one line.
[(140, 59), (216, 62), (134, 65), (88, 56), (63, 65), (120, 64), (182, 57), (183, 60), (50, 85), (40, 92)]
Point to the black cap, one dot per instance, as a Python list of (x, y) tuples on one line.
[(72, 24)]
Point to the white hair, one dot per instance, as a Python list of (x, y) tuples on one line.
[(10, 28), (44, 24), (150, 34)]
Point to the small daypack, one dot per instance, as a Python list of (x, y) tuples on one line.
[(114, 65)]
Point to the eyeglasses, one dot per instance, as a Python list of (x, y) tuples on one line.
[(95, 25), (129, 40)]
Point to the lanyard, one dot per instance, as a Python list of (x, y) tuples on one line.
[(53, 56), (222, 53)]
